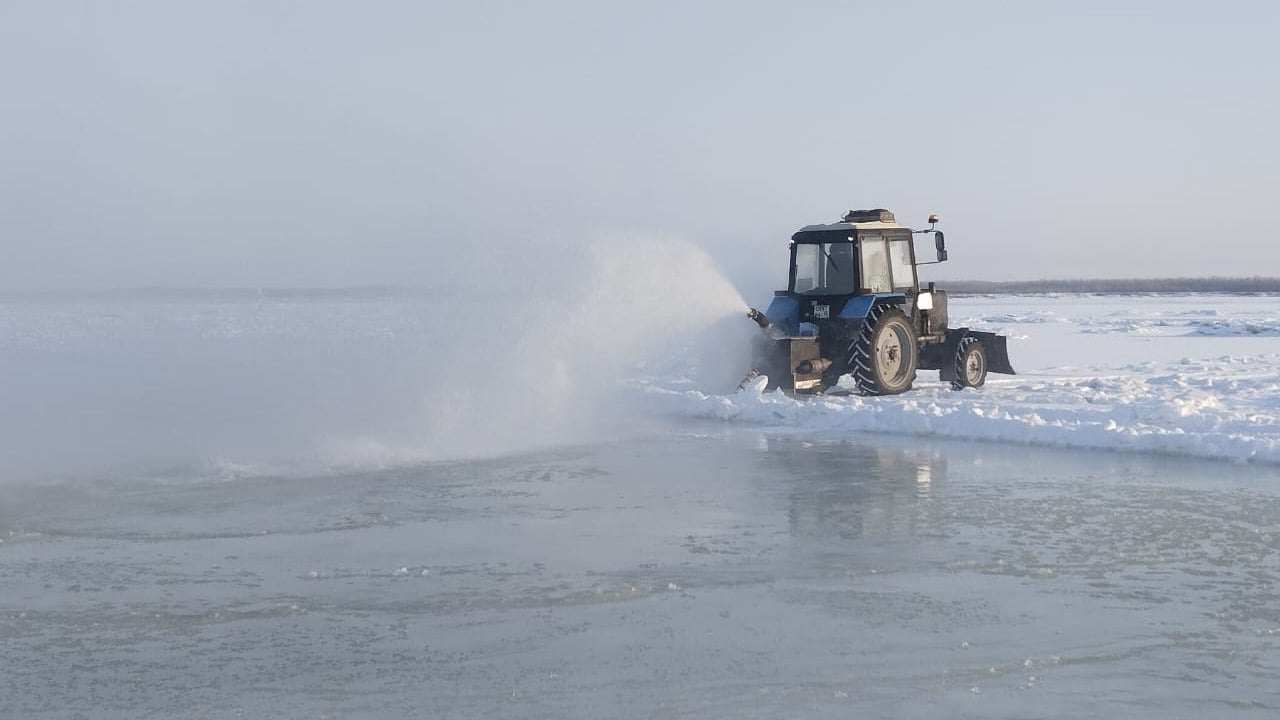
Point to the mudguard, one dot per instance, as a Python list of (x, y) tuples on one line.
[(859, 307)]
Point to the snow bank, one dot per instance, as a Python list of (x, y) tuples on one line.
[(1188, 375), (1225, 408), (1236, 327)]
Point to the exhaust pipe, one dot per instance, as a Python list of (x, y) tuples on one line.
[(813, 366)]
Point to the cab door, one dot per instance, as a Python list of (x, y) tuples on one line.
[(902, 264), (888, 263)]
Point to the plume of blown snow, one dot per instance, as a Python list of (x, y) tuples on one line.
[(555, 376)]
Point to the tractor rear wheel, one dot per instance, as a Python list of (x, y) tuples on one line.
[(971, 364), (884, 356)]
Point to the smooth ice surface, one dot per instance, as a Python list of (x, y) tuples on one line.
[(225, 509), (710, 573)]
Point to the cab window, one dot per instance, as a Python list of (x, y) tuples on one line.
[(825, 269), (900, 263), (875, 263)]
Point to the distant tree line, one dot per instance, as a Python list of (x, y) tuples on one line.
[(1122, 285)]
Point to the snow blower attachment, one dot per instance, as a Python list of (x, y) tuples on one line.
[(854, 306)]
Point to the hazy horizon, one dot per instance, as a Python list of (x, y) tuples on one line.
[(374, 288), (273, 144)]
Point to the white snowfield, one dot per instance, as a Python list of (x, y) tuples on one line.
[(1189, 375)]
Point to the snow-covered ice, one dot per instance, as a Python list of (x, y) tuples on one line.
[(1186, 397), (1226, 407)]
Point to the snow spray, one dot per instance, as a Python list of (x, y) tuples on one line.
[(646, 305), (514, 346)]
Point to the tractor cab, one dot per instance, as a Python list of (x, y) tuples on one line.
[(853, 257), (838, 268)]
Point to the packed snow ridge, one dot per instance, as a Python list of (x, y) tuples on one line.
[(1224, 406), (1227, 408)]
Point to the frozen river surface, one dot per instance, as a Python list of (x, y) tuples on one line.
[(717, 574), (1097, 537)]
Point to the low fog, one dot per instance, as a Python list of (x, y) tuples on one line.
[(536, 197)]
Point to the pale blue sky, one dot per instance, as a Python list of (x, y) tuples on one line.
[(327, 143)]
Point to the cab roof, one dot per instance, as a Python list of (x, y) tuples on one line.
[(864, 226), (857, 220)]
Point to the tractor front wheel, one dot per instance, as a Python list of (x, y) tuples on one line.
[(971, 364), (884, 356)]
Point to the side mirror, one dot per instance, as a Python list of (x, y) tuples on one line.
[(940, 242)]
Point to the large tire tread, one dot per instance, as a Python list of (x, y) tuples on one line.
[(961, 378), (861, 351)]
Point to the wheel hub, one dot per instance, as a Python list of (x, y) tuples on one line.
[(973, 367), (890, 352)]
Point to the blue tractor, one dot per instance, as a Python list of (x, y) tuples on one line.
[(854, 306)]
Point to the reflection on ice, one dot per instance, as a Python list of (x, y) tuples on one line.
[(847, 489), (924, 480)]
